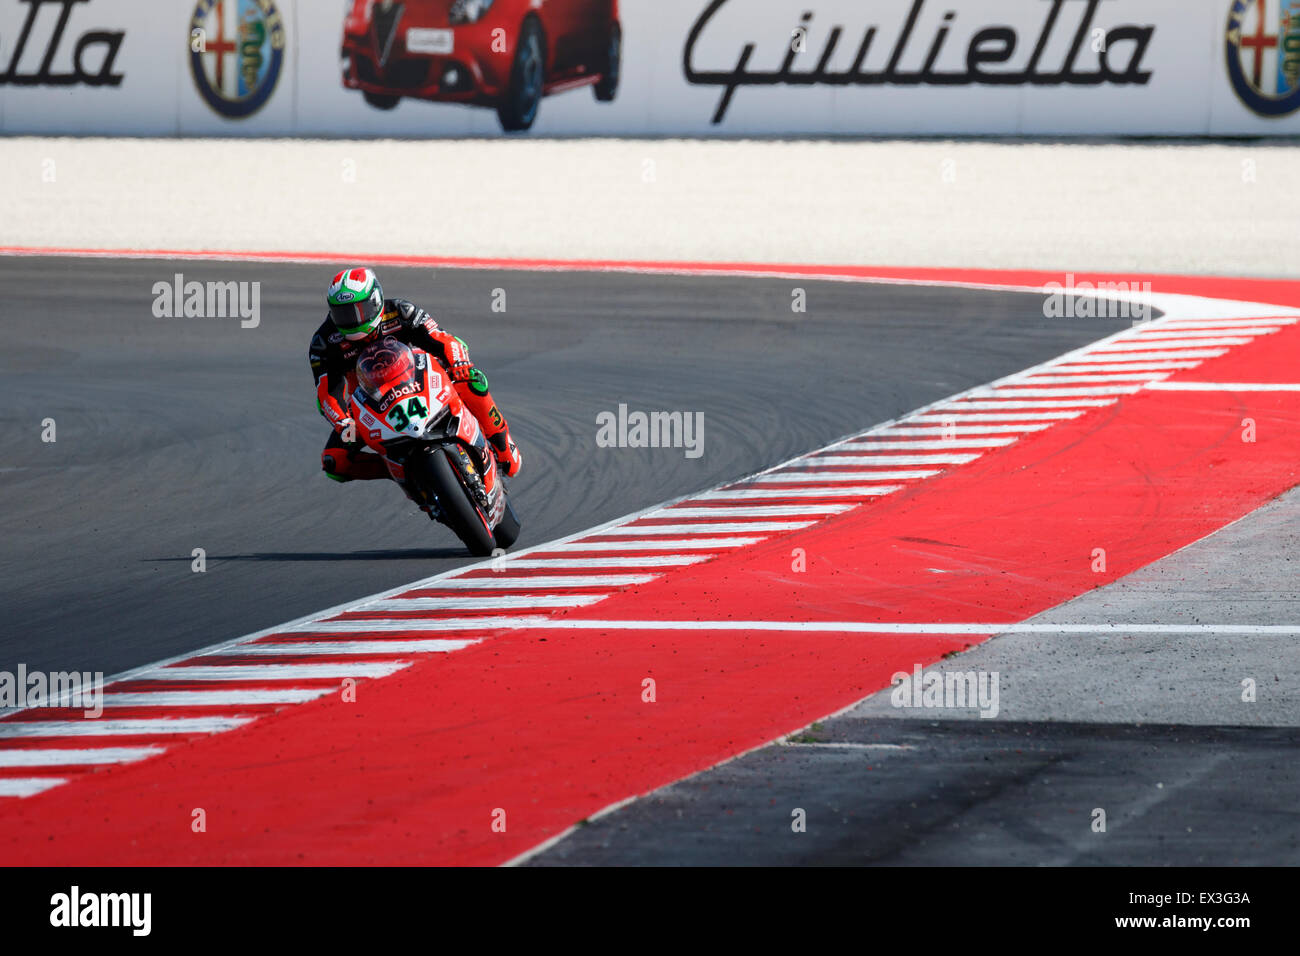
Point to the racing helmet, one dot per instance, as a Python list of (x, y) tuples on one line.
[(356, 302), (384, 365)]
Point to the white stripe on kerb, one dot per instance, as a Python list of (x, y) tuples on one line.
[(1225, 323), (441, 625), (478, 603), (1108, 377), (1167, 344), (1010, 405), (655, 544), (433, 622), (703, 527), (892, 459), (28, 786), (748, 511), (642, 561), (539, 583), (825, 491), (214, 698), (960, 417), (55, 757), (823, 476), (105, 727), (1014, 390), (1185, 332), (1125, 367), (1152, 356), (346, 648), (871, 444), (256, 672), (963, 429)]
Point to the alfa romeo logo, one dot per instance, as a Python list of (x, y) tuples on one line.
[(1263, 52), (236, 53)]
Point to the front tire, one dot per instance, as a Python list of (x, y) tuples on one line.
[(518, 109), (438, 476)]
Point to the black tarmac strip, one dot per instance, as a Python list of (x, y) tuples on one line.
[(973, 792), (173, 434)]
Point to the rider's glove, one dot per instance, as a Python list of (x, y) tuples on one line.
[(461, 371)]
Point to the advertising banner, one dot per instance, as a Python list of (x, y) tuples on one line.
[(449, 68)]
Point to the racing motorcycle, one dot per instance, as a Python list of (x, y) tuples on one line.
[(407, 409)]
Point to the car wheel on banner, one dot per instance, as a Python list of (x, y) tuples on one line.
[(607, 87), (381, 101), (527, 80)]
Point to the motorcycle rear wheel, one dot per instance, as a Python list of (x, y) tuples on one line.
[(508, 527)]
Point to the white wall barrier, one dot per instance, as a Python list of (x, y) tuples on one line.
[(419, 68)]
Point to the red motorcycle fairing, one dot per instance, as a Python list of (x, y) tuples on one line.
[(404, 394)]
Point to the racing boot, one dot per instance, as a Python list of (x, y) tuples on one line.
[(474, 393), (509, 458)]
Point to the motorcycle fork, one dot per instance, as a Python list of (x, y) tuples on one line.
[(470, 472)]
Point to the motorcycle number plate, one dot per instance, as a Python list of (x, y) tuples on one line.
[(407, 413)]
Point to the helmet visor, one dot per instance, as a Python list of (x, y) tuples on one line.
[(358, 318)]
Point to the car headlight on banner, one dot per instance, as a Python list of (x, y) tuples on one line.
[(468, 11)]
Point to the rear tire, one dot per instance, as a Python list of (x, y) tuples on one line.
[(438, 476), (507, 531)]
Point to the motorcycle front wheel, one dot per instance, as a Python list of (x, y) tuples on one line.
[(441, 479)]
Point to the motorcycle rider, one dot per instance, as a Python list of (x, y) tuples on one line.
[(358, 315)]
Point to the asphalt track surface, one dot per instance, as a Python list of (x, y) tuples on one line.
[(970, 793), (183, 433)]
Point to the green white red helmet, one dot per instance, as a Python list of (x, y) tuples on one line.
[(356, 302)]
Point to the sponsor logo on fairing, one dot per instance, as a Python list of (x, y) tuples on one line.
[(1116, 53), (409, 388)]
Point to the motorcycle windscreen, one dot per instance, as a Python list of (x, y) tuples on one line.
[(383, 366)]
